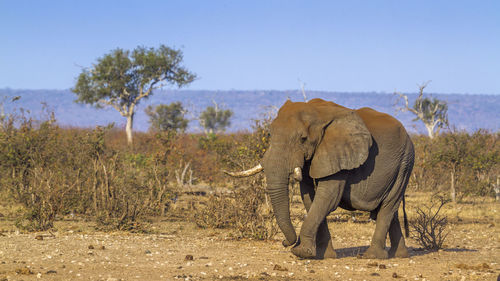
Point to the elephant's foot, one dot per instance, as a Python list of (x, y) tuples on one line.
[(325, 250), (305, 249), (400, 252), (374, 252), (330, 252)]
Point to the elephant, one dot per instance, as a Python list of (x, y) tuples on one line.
[(353, 159)]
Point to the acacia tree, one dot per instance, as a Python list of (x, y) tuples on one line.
[(452, 154), (432, 112), (167, 117), (215, 119), (122, 78)]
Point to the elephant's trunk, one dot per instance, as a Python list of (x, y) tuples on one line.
[(282, 163), (277, 187)]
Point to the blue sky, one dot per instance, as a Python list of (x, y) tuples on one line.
[(329, 45)]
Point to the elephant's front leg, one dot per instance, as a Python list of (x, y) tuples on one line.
[(324, 247), (326, 199)]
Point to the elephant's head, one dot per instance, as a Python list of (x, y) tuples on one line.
[(325, 136)]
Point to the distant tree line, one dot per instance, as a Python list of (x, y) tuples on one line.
[(172, 117)]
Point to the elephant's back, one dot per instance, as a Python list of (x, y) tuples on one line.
[(383, 126), (378, 120)]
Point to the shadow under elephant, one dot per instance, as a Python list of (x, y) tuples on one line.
[(413, 251)]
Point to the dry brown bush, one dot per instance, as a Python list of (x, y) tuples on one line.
[(247, 211), (53, 172), (429, 227)]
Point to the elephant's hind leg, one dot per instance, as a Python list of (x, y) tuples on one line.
[(377, 246), (387, 222), (324, 247), (387, 217), (398, 247)]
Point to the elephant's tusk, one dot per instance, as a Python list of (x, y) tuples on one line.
[(247, 173), (297, 174)]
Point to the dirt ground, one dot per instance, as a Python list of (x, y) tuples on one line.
[(180, 250)]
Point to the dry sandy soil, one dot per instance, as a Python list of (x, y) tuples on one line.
[(180, 250)]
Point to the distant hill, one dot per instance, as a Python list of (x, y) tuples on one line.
[(468, 112)]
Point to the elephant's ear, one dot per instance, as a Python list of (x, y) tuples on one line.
[(345, 145)]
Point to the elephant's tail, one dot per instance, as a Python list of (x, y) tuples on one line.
[(405, 219)]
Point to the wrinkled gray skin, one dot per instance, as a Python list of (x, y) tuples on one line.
[(359, 160)]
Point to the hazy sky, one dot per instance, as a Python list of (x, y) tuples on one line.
[(329, 45)]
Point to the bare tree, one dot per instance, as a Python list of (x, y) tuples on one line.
[(432, 112), (302, 85), (181, 176)]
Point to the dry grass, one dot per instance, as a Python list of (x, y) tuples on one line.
[(472, 209)]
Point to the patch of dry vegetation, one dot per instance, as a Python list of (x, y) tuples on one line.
[(429, 226), (50, 173), (247, 211), (458, 163)]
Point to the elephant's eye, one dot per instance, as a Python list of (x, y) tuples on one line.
[(303, 139)]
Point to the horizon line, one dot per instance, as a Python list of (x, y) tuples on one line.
[(271, 90)]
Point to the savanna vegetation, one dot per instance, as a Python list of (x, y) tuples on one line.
[(84, 190), (49, 173)]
